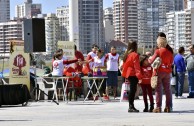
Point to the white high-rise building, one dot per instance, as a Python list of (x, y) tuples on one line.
[(86, 23), (125, 20), (189, 19), (180, 27), (108, 24), (52, 32), (11, 30), (63, 15), (27, 9), (170, 25), (108, 14), (4, 10), (176, 29)]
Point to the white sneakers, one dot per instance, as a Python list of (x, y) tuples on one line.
[(180, 97)]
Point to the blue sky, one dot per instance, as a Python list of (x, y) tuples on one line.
[(49, 6)]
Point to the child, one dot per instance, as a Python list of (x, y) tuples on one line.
[(146, 71), (112, 60), (99, 60), (58, 64)]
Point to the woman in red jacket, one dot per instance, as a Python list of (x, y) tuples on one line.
[(163, 72), (131, 70)]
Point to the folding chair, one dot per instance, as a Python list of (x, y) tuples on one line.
[(41, 82)]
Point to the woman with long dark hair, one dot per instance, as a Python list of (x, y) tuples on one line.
[(131, 70)]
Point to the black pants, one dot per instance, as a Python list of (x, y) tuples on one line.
[(133, 80), (103, 86)]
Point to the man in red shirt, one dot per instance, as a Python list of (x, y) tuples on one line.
[(78, 55)]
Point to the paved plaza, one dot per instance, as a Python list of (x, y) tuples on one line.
[(111, 113)]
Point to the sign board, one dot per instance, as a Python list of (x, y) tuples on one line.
[(68, 49), (19, 64)]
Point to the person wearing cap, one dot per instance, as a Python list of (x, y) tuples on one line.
[(180, 70), (190, 67), (163, 73)]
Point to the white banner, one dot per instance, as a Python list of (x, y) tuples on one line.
[(68, 48), (19, 64)]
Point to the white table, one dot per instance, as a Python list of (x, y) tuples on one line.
[(56, 79), (95, 85)]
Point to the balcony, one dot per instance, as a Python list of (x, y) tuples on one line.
[(188, 25), (187, 21), (188, 37)]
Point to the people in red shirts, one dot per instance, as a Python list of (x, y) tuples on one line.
[(132, 71), (146, 71)]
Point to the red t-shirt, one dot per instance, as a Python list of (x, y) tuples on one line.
[(90, 56), (166, 57), (78, 55), (146, 72)]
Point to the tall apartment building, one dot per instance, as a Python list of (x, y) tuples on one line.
[(52, 31), (180, 25), (63, 15), (125, 19), (189, 19), (11, 30), (108, 14), (176, 29), (86, 23), (108, 24), (151, 17), (171, 26), (4, 10), (27, 9)]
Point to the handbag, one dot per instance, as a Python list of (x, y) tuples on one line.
[(154, 80), (156, 64), (124, 90), (173, 81)]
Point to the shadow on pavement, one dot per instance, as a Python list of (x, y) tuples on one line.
[(188, 111), (85, 104), (14, 120)]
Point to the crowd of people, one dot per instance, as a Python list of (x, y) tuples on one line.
[(135, 68), (61, 66)]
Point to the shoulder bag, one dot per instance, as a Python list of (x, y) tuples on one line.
[(154, 80)]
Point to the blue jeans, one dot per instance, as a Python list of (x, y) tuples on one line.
[(179, 83), (191, 83)]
